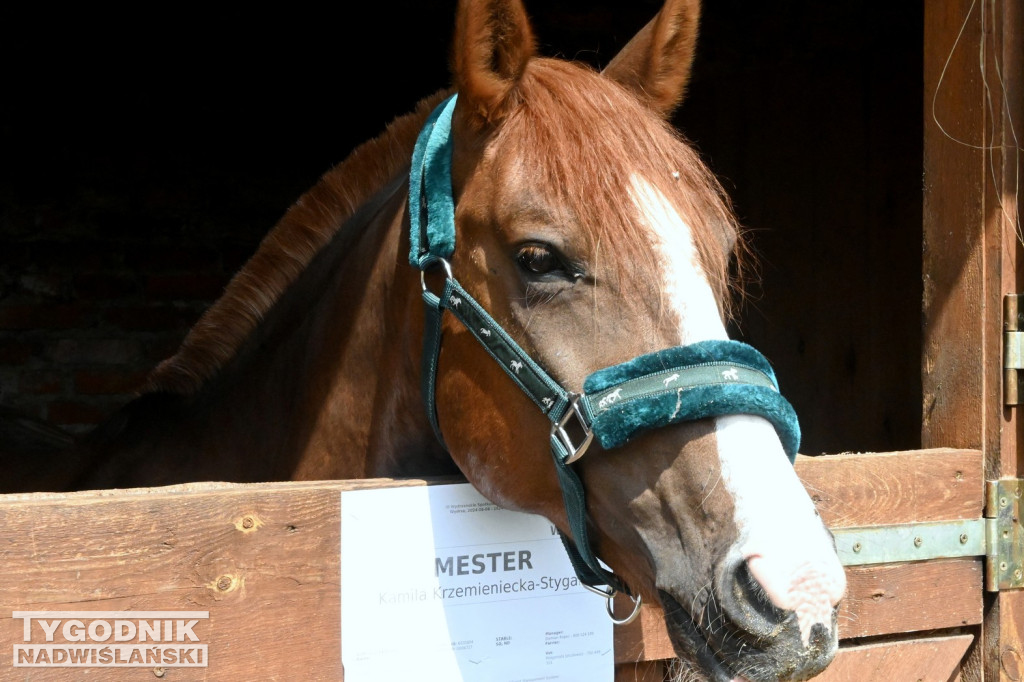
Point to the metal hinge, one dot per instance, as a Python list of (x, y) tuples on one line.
[(1013, 349), (1004, 567), (911, 542), (998, 537)]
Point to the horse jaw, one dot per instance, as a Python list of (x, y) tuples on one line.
[(781, 540)]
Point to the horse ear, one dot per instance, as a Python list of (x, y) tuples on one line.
[(493, 43), (656, 63)]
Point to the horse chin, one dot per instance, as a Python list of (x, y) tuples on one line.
[(724, 653)]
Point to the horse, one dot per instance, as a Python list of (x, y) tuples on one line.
[(525, 281)]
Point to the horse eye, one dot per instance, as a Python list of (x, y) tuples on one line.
[(538, 260)]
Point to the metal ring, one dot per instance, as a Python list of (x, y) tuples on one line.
[(609, 595), (444, 264), (637, 602)]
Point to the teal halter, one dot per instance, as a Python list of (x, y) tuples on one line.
[(685, 383)]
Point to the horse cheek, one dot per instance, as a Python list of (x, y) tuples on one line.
[(496, 436)]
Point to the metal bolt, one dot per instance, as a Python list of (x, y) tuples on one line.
[(159, 672), (856, 547), (224, 583), (963, 538), (918, 541), (247, 522)]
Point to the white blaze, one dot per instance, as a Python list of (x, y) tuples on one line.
[(685, 288), (787, 548)]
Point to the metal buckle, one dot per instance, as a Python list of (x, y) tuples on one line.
[(559, 430)]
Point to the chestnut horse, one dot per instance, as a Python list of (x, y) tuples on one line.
[(588, 237)]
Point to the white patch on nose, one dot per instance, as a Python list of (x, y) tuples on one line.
[(783, 540), (786, 546)]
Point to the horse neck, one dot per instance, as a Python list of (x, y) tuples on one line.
[(327, 387), (362, 359)]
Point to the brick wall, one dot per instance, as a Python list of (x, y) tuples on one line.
[(83, 319)]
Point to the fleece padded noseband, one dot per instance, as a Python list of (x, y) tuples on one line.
[(685, 383)]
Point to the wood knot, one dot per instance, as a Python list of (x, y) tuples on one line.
[(1010, 661), (226, 583), (248, 523)]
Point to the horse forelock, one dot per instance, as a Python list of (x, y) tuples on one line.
[(585, 139), (306, 228)]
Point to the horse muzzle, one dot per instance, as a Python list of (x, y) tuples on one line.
[(736, 632)]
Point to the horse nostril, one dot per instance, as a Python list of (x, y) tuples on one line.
[(751, 605), (820, 638)]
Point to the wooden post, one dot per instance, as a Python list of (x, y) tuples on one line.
[(972, 101)]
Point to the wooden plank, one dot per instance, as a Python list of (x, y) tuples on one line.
[(851, 490), (957, 280), (911, 597), (270, 553), (933, 659), (642, 671), (973, 66), (1005, 636), (880, 600), (1010, 651), (645, 639), (263, 559)]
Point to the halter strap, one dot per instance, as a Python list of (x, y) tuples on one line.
[(685, 383)]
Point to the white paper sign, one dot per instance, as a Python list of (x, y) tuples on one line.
[(439, 584)]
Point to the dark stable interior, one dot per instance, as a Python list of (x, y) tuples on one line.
[(202, 129)]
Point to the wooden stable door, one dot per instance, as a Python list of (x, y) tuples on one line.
[(974, 96)]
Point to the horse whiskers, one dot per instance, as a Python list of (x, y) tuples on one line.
[(698, 609), (710, 490), (676, 672)]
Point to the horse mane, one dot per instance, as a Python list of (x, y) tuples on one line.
[(560, 105), (284, 253), (586, 138)]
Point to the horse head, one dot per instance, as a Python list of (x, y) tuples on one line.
[(591, 232)]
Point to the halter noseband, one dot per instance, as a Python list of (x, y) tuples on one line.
[(684, 383)]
